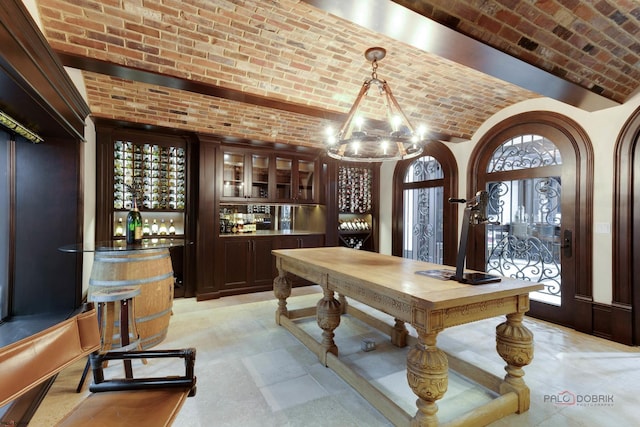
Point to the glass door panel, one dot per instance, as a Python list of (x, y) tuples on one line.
[(423, 224), (283, 178), (233, 175), (526, 242), (305, 179), (260, 176)]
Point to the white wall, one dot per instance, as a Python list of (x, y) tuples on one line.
[(602, 128)]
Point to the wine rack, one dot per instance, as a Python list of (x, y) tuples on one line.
[(154, 174), (355, 206), (354, 189)]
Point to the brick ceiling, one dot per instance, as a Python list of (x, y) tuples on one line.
[(281, 70)]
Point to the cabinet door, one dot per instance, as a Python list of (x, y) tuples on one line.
[(263, 262), (312, 241), (233, 175), (305, 178), (294, 242), (236, 256), (288, 242), (259, 177), (284, 179)]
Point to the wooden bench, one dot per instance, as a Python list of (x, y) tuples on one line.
[(141, 402)]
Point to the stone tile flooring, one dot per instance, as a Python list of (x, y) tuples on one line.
[(253, 373)]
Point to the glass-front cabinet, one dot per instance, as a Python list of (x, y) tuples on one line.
[(295, 180), (245, 175), (266, 176)]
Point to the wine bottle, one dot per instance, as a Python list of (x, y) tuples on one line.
[(134, 225), (163, 228), (172, 228), (119, 228), (146, 231)]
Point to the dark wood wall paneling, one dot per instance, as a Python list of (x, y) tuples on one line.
[(208, 194), (46, 211), (47, 217)]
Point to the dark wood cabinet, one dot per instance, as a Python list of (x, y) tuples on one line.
[(245, 264), (262, 176), (246, 175), (300, 241), (239, 174), (295, 242), (158, 165), (296, 180)]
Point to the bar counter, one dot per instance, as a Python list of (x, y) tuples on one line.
[(271, 233)]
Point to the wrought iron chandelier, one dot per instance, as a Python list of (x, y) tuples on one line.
[(365, 139)]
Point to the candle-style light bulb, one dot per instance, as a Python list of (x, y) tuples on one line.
[(384, 145), (395, 123), (422, 131)]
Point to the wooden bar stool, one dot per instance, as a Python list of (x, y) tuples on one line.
[(106, 298)]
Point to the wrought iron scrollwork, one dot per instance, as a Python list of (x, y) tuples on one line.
[(548, 199), (424, 169), (526, 152), (423, 229), (527, 258)]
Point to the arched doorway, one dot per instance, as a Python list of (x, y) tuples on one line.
[(538, 168), (626, 231), (424, 223)]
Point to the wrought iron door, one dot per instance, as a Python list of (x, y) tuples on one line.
[(423, 200), (526, 242)]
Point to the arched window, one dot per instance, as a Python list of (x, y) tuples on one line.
[(424, 222)]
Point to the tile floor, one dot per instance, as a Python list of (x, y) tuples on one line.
[(253, 373)]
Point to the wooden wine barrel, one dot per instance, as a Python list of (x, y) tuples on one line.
[(151, 270)]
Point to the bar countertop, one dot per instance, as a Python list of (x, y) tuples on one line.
[(265, 233)]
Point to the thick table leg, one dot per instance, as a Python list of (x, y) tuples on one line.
[(399, 334), (282, 291), (328, 311), (514, 343), (343, 303), (427, 374)]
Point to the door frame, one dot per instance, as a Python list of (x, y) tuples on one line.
[(577, 179), (445, 157), (626, 235)]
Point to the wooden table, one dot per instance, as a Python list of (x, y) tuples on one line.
[(391, 285)]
